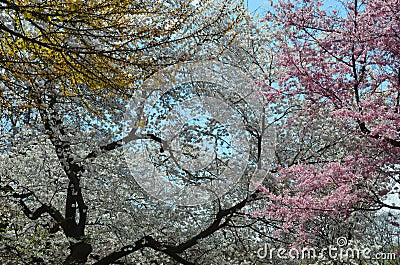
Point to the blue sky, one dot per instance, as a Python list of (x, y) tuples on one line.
[(254, 4)]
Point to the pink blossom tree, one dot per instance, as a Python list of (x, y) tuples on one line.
[(340, 66)]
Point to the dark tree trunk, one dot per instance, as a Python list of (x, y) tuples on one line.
[(79, 253)]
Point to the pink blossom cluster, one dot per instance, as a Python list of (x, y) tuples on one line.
[(344, 60)]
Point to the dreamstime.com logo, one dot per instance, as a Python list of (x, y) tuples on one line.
[(191, 130), (344, 250)]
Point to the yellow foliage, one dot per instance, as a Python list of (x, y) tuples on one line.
[(100, 46)]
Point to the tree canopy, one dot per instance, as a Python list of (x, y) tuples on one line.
[(188, 132)]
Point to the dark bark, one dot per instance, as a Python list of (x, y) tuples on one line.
[(74, 221), (79, 253)]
